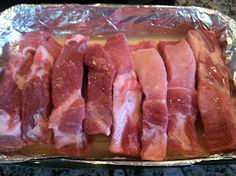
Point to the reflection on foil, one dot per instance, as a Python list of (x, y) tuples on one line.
[(101, 20)]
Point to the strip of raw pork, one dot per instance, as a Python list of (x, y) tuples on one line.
[(36, 103), (152, 77), (68, 114), (101, 73), (145, 44), (214, 99), (182, 98), (11, 91), (127, 97)]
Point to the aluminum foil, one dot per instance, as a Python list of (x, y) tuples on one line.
[(102, 20)]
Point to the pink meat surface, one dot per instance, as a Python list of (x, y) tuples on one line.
[(36, 103), (152, 77), (11, 91), (32, 40), (127, 97), (214, 99), (10, 107), (68, 114), (101, 74), (182, 97), (144, 45)]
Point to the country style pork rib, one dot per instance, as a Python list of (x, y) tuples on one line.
[(36, 104), (32, 40), (126, 98), (10, 106), (182, 97), (144, 45), (11, 91), (214, 100), (68, 114), (101, 74), (152, 77)]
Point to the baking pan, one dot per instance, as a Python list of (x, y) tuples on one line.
[(98, 21)]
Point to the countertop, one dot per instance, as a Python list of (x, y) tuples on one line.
[(227, 7), (206, 170)]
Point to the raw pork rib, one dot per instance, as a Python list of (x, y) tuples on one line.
[(214, 100), (11, 92), (10, 106), (68, 114), (144, 45), (99, 96), (36, 104), (153, 80), (127, 97), (182, 97), (32, 40)]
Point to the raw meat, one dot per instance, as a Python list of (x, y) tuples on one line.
[(182, 97), (214, 99), (152, 77), (32, 40), (10, 96), (144, 45), (127, 97), (101, 74), (68, 114), (11, 92), (36, 104)]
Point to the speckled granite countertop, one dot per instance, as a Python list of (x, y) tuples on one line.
[(206, 170), (227, 7)]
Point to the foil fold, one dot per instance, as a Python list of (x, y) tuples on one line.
[(103, 20)]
